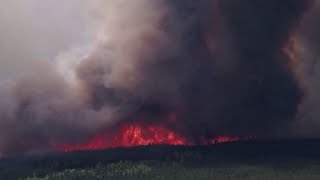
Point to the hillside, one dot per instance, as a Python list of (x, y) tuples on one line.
[(261, 159)]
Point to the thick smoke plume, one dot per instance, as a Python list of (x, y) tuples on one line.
[(305, 44), (201, 68)]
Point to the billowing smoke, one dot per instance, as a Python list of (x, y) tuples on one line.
[(306, 45), (201, 68)]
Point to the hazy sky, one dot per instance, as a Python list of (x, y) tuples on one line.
[(39, 30)]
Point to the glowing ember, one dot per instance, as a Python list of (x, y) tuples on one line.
[(138, 135), (223, 139)]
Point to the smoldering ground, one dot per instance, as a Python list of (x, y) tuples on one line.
[(218, 66)]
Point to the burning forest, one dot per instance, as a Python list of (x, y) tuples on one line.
[(119, 73), (141, 135)]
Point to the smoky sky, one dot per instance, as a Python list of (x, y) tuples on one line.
[(218, 65), (255, 92)]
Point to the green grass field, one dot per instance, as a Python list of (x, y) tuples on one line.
[(237, 161)]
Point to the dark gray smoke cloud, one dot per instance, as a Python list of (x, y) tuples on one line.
[(219, 66), (260, 95), (240, 81)]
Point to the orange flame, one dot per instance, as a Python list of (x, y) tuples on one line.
[(139, 135)]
